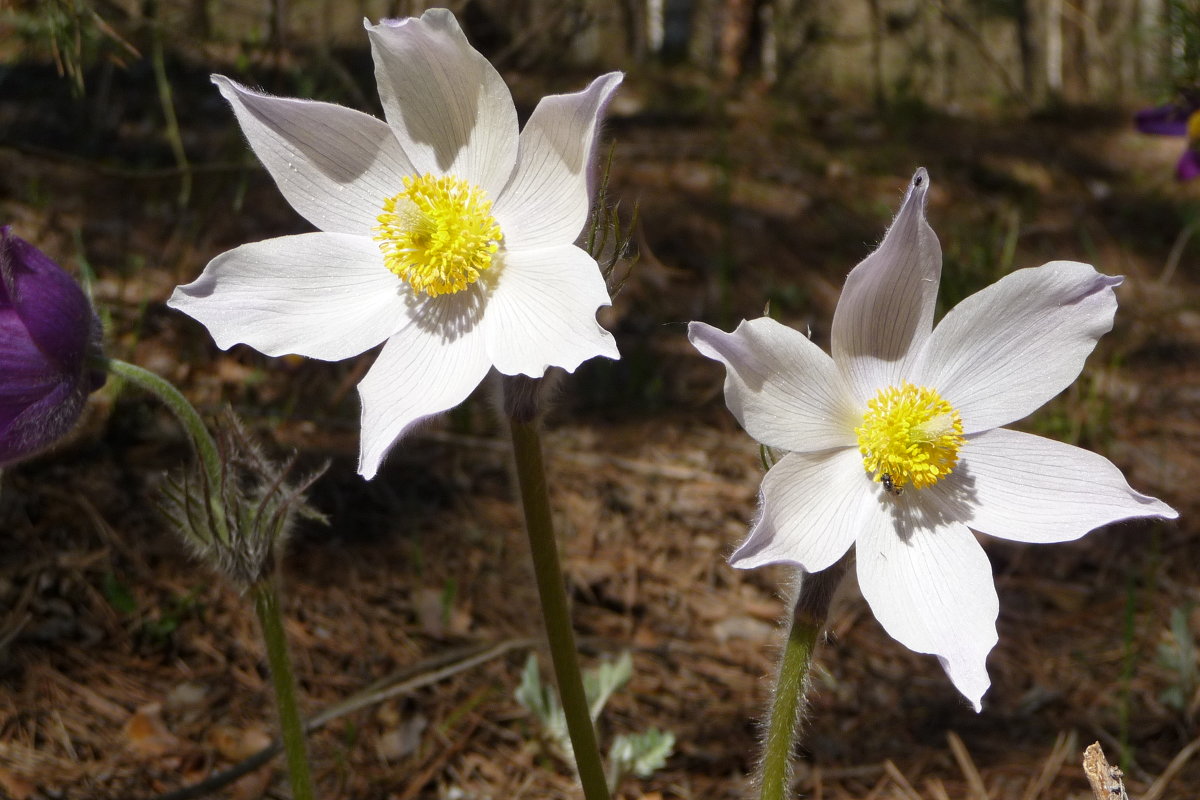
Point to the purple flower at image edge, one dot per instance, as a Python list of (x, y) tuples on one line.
[(50, 347), (1176, 119)]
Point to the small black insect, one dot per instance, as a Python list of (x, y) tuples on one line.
[(890, 485)]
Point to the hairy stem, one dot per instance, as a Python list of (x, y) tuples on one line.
[(535, 498), (291, 726), (202, 441), (783, 726)]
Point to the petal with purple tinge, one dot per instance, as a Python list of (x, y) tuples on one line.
[(885, 313), (1006, 350), (812, 507), (546, 202), (783, 389), (1027, 488)]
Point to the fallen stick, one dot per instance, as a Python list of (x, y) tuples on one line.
[(1104, 778)]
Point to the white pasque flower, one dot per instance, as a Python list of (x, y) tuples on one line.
[(895, 446), (444, 231)]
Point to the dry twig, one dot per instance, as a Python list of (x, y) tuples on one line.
[(1105, 779), (967, 765), (1159, 786)]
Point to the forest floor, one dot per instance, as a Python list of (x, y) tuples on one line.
[(128, 671)]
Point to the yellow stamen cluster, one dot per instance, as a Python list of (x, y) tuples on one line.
[(1193, 128), (909, 436), (439, 234)]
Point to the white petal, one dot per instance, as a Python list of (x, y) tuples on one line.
[(547, 201), (427, 368), (447, 105), (1004, 351), (813, 506), (334, 165), (542, 312), (1029, 489), (783, 389), (930, 585), (885, 312), (322, 295)]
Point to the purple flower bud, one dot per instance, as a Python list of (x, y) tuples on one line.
[(1176, 119), (49, 350), (1168, 120), (1188, 166)]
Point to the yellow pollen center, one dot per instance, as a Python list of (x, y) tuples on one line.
[(439, 234), (909, 436), (1193, 128)]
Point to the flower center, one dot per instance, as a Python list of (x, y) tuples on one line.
[(1193, 128), (439, 234), (909, 436)]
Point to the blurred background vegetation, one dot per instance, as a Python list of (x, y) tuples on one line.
[(940, 52)]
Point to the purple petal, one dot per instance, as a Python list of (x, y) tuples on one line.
[(47, 333), (52, 307), (42, 422), (1169, 120), (28, 374), (1188, 166)]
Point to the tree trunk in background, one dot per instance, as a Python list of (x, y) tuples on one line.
[(200, 20), (702, 37), (941, 51), (1124, 34), (655, 25), (790, 21), (769, 51), (1150, 21), (278, 17), (633, 20), (1054, 48), (736, 20), (1091, 57), (1025, 47), (941, 55), (877, 33)]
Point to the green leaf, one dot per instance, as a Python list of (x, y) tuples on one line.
[(640, 754), (541, 701), (531, 694), (600, 683)]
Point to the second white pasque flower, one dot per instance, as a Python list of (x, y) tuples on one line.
[(894, 443), (444, 231)]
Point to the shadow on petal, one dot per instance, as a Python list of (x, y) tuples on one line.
[(449, 316), (951, 500)]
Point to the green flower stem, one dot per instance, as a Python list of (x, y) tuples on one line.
[(202, 441), (808, 621), (535, 497), (265, 592), (266, 604)]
